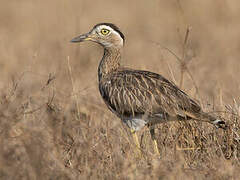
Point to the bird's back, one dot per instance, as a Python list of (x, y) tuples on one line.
[(133, 93)]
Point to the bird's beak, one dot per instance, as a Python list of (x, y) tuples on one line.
[(81, 38)]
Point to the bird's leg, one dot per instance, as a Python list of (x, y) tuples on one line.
[(152, 132), (135, 138)]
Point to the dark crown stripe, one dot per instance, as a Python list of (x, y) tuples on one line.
[(113, 26)]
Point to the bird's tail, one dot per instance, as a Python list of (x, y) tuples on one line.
[(216, 121)]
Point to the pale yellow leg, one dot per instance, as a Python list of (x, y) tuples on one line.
[(155, 146), (135, 138)]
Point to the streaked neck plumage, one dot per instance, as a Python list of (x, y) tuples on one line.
[(110, 61)]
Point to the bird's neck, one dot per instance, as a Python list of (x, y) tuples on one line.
[(110, 61)]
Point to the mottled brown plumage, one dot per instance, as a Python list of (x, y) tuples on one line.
[(149, 96), (132, 92), (138, 97)]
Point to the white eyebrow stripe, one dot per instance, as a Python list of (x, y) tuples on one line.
[(111, 31), (105, 27)]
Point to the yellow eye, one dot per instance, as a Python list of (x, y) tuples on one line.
[(104, 31)]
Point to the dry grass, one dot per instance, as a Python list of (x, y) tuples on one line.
[(53, 123)]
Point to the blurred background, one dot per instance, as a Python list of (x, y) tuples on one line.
[(35, 37), (35, 47)]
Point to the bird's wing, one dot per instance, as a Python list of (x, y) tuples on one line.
[(131, 92)]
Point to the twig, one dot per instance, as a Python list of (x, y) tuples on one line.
[(176, 56), (34, 110), (73, 86), (50, 79), (182, 60), (183, 64)]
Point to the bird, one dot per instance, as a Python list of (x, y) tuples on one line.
[(139, 98)]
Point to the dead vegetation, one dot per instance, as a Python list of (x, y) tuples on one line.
[(53, 124)]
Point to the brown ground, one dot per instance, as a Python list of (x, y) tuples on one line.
[(51, 128)]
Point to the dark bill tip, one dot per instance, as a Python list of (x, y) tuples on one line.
[(80, 38)]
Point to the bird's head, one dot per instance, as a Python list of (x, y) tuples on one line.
[(106, 34)]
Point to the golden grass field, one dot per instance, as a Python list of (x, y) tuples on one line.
[(53, 122)]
